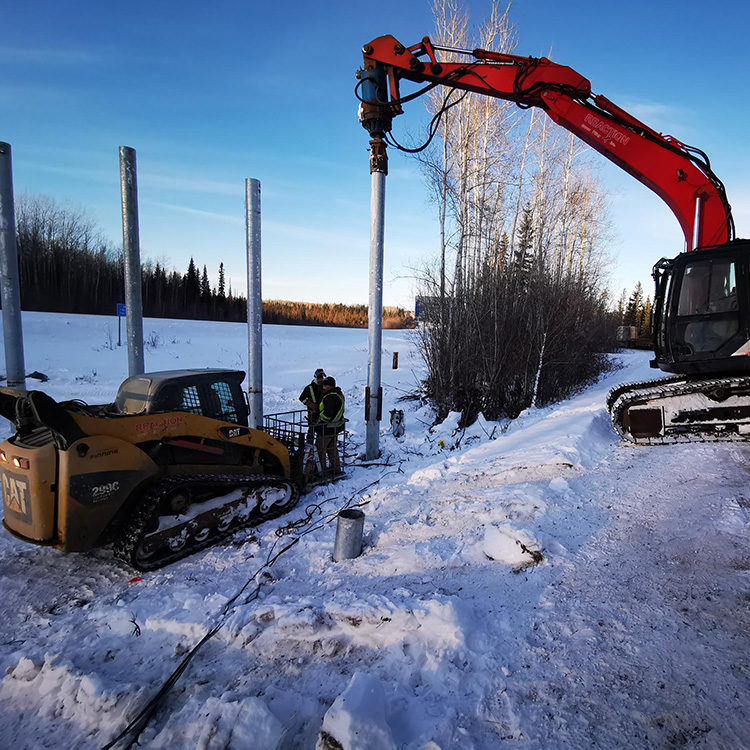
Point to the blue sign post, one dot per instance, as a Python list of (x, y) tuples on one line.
[(121, 312)]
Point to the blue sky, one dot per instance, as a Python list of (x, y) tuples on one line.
[(210, 94)]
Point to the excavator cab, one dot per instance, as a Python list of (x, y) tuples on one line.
[(702, 311)]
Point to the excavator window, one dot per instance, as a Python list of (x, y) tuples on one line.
[(708, 286), (707, 306)]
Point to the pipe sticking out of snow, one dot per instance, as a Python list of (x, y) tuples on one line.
[(10, 288), (375, 308), (254, 305), (131, 247), (349, 526)]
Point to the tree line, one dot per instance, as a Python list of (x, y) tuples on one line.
[(636, 311), (66, 265), (519, 313)]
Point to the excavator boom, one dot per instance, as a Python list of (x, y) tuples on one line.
[(679, 175)]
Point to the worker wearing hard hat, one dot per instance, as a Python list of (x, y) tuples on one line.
[(310, 397), (330, 423)]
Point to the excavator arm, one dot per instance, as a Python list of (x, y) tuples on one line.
[(680, 175)]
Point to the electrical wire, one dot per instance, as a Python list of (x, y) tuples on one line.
[(434, 125), (135, 727)]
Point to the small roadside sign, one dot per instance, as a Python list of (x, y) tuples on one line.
[(121, 313)]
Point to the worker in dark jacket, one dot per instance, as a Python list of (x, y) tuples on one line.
[(310, 397), (330, 423)]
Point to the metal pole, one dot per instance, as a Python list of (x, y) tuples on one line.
[(374, 405), (254, 305), (132, 255), (10, 288)]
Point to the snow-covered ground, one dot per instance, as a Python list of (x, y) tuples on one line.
[(541, 584)]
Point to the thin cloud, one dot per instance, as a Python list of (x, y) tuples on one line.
[(190, 184), (47, 55), (94, 175), (404, 173), (310, 235), (228, 218), (664, 118)]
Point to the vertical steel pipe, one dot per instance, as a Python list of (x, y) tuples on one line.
[(131, 249), (378, 171), (254, 305), (349, 526), (10, 288)]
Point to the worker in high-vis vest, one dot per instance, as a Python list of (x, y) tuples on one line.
[(310, 397), (330, 423)]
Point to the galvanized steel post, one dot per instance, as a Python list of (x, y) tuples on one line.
[(10, 288), (374, 405), (132, 257), (254, 305)]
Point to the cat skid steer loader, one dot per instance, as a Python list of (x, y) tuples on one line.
[(169, 468)]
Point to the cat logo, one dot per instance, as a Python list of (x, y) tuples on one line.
[(16, 496)]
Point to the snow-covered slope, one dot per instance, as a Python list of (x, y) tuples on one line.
[(540, 583)]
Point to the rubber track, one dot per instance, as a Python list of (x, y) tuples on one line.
[(126, 544), (616, 392), (631, 394)]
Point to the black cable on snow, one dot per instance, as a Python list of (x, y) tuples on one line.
[(133, 730)]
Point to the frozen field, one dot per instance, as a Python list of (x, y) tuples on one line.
[(448, 631)]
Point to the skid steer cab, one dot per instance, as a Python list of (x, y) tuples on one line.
[(169, 468)]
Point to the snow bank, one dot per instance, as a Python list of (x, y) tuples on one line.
[(510, 546), (357, 718)]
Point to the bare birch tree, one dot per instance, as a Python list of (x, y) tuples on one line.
[(525, 222)]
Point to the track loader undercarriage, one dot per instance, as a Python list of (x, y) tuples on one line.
[(182, 515), (682, 409)]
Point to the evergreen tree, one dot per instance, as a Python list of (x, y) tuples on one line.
[(644, 322), (221, 293), (205, 287), (635, 304), (191, 290), (523, 258)]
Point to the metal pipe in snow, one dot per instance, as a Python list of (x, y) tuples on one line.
[(10, 288), (349, 526), (254, 305), (375, 312), (131, 249)]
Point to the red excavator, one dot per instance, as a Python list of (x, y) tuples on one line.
[(701, 320)]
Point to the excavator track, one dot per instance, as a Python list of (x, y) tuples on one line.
[(152, 538), (680, 409)]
